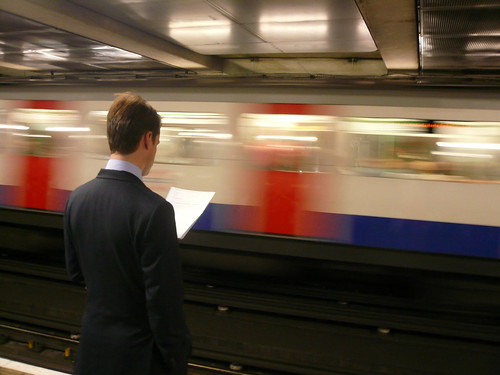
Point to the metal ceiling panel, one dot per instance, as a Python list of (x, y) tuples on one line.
[(274, 11), (157, 17), (460, 35), (192, 34), (212, 35), (252, 49), (10, 23), (229, 27), (33, 46), (317, 36), (224, 37), (70, 17)]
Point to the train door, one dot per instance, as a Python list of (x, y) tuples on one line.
[(291, 162)]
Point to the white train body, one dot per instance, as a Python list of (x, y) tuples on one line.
[(396, 170)]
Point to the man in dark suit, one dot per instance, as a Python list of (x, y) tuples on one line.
[(121, 242)]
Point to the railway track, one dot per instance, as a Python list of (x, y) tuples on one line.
[(55, 351), (266, 326), (299, 301)]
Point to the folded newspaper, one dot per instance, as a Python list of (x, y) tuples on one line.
[(188, 207)]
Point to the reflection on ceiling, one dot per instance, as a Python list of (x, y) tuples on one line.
[(30, 46), (140, 39)]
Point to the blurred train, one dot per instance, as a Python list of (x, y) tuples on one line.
[(404, 177)]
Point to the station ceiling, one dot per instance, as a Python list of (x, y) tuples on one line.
[(447, 41)]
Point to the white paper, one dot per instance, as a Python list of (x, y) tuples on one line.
[(188, 207)]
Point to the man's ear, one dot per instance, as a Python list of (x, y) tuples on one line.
[(147, 140)]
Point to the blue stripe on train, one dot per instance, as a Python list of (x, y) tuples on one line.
[(428, 236), (400, 234)]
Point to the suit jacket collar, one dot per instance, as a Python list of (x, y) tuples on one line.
[(119, 175), (123, 165)]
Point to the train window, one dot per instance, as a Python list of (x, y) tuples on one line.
[(401, 148), (288, 142), (44, 132), (193, 138)]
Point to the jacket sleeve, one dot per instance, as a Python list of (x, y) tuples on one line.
[(162, 272), (72, 263)]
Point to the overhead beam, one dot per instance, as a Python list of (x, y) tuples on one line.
[(393, 26), (75, 19), (14, 70), (304, 65)]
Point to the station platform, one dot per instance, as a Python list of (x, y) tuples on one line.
[(9, 367)]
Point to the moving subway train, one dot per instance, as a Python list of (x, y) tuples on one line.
[(419, 176)]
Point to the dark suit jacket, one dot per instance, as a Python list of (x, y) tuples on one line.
[(121, 241)]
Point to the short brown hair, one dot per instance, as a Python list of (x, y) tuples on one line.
[(129, 118)]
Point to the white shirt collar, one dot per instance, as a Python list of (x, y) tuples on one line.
[(122, 165)]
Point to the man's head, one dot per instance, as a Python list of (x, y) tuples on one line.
[(133, 128), (129, 118)]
